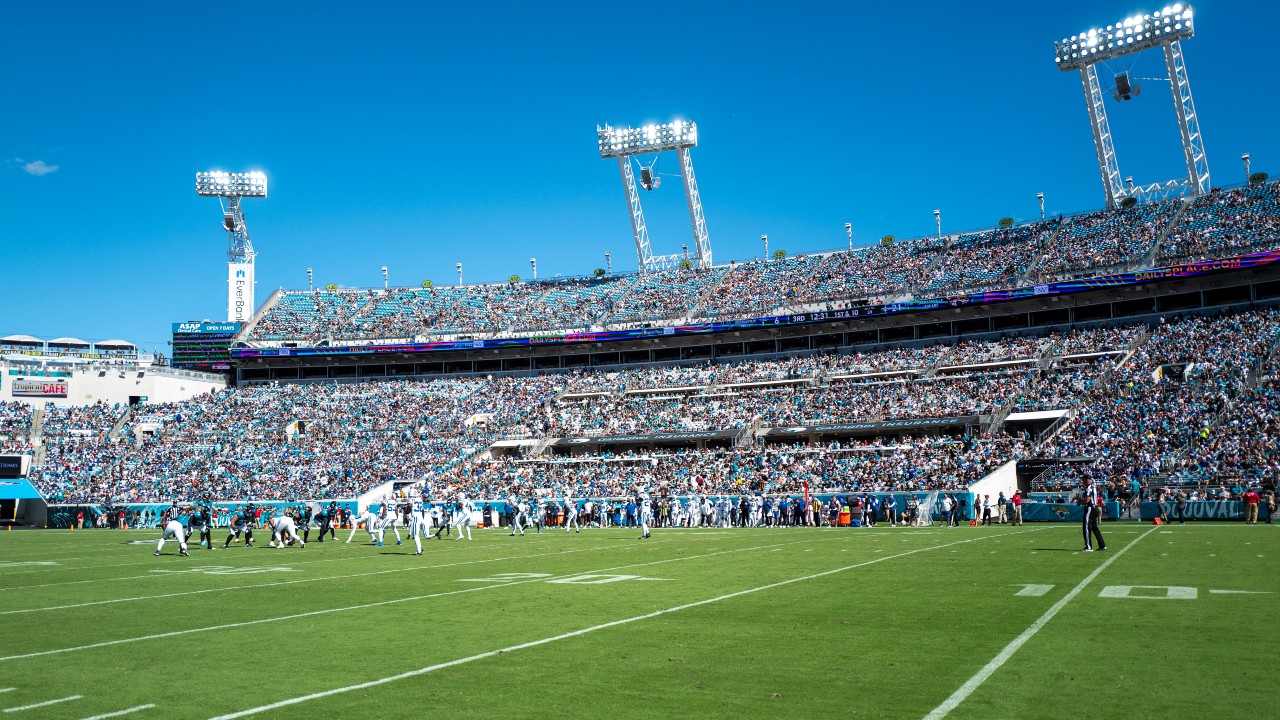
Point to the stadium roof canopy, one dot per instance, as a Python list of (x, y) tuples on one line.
[(68, 341), (21, 338), (114, 343)]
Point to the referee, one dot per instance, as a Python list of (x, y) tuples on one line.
[(1092, 512)]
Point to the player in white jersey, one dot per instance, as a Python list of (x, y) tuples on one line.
[(571, 514), (418, 523), (283, 526), (518, 515), (370, 525), (387, 519), (173, 530), (643, 513), (756, 511), (462, 518)]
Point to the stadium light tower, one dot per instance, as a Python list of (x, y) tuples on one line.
[(1040, 198), (229, 188), (848, 230), (623, 143), (1165, 29), (608, 263)]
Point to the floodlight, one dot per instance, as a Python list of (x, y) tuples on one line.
[(1130, 35), (225, 184), (619, 142)]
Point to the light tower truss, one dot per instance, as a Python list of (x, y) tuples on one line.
[(1164, 29), (230, 188), (624, 144)]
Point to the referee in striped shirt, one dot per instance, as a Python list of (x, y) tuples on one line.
[(1092, 513)]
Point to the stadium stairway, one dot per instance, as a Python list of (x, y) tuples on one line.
[(1028, 275), (37, 435), (266, 307), (701, 299), (118, 428), (1148, 261)]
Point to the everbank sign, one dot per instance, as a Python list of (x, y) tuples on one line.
[(239, 291)]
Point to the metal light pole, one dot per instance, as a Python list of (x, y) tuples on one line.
[(848, 230), (1245, 159), (311, 286), (937, 217), (1040, 197), (386, 285), (459, 266), (533, 263), (765, 239), (608, 263)]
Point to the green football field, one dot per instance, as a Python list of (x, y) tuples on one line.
[(1004, 622)]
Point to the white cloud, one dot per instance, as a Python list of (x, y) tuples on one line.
[(38, 168)]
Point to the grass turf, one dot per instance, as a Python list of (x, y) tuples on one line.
[(796, 622)]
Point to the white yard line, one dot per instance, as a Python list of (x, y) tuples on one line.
[(262, 558), (365, 606), (43, 704), (118, 713), (987, 670), (584, 631), (415, 568)]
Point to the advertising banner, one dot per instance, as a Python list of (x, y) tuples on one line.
[(39, 387), (204, 328), (239, 292)]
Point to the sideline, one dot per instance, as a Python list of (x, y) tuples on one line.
[(987, 670)]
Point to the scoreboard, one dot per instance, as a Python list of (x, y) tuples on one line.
[(204, 346)]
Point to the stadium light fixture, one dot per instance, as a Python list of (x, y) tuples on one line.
[(533, 263), (225, 184), (311, 286), (848, 230), (608, 262), (625, 142), (386, 285), (1245, 159), (937, 217), (1040, 198), (1164, 29), (459, 266), (765, 239), (229, 188), (1130, 35)]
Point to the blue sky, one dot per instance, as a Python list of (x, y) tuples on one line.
[(418, 135)]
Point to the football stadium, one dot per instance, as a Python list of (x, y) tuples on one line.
[(1019, 470)]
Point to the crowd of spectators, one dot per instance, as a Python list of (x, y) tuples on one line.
[(989, 259), (1168, 393), (1222, 223), (879, 464), (666, 294), (15, 426), (309, 315), (1225, 223), (1106, 239)]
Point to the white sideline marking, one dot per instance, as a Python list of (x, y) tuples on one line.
[(118, 713), (365, 606), (583, 631), (153, 576), (987, 670), (286, 582), (42, 704), (1241, 592)]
